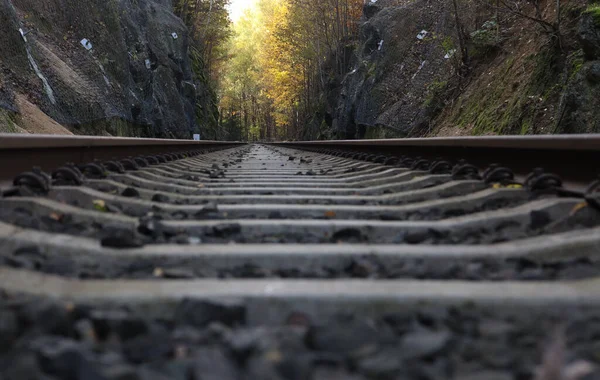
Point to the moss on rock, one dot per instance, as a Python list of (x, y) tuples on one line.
[(594, 11), (7, 122)]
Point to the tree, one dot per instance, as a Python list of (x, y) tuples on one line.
[(209, 31), (284, 54)]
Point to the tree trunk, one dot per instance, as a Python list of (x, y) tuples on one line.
[(461, 38)]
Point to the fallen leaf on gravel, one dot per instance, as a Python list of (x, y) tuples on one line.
[(330, 214), (554, 366), (496, 186), (56, 216), (515, 186), (578, 207), (201, 185), (158, 272), (100, 205)]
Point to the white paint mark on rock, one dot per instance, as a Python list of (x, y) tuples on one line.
[(422, 34), (174, 35), (380, 45), (196, 137), (450, 54), (86, 44), (148, 64), (23, 34)]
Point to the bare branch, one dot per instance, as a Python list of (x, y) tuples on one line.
[(544, 23)]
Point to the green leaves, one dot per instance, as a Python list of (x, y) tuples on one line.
[(100, 205)]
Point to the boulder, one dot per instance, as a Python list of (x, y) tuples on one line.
[(580, 102), (588, 33)]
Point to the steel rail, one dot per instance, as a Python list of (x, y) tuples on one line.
[(19, 153), (573, 157)]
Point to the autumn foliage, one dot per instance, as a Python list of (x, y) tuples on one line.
[(282, 57)]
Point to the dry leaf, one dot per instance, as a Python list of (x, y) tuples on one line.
[(330, 214), (158, 272), (56, 216), (578, 207), (100, 205)]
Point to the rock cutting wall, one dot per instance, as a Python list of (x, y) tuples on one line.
[(400, 54), (130, 76)]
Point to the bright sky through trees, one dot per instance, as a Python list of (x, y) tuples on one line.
[(236, 8)]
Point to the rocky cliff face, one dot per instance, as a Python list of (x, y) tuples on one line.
[(579, 108), (118, 66), (518, 79), (400, 54)]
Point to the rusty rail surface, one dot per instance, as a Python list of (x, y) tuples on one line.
[(19, 153), (572, 157)]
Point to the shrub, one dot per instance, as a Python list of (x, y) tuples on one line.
[(487, 36)]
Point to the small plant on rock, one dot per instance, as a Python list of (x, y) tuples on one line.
[(487, 37), (594, 10)]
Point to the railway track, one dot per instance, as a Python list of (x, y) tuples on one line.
[(401, 259)]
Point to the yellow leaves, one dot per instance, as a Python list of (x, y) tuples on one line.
[(100, 205), (263, 69), (158, 272), (578, 207), (509, 186), (276, 53)]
